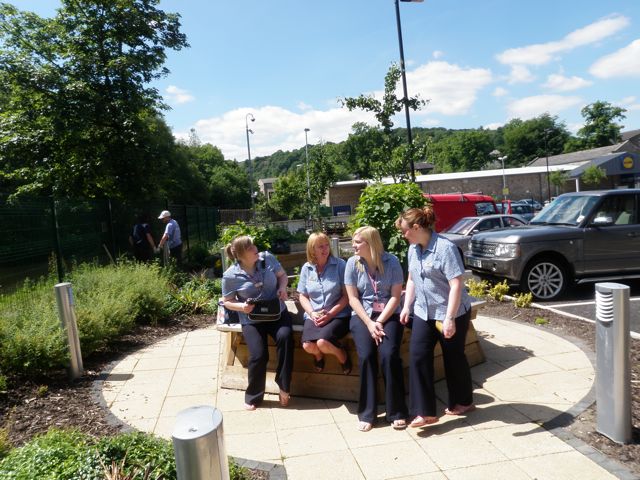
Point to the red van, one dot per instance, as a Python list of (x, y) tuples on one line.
[(451, 207)]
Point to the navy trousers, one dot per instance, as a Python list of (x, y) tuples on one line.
[(256, 335), (422, 394), (391, 363)]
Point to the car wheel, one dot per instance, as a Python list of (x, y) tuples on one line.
[(545, 279)]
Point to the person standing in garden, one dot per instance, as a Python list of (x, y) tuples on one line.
[(324, 300), (441, 313), (141, 239), (373, 279), (171, 236), (255, 277)]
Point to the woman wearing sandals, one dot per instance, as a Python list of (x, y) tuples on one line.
[(325, 302), (259, 276), (441, 313), (373, 279)]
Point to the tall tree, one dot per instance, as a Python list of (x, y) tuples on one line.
[(78, 111), (382, 161), (600, 127), (524, 140), (464, 150)]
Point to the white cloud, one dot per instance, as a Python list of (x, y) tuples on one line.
[(530, 107), (542, 53), (520, 74), (500, 92), (178, 95), (437, 54), (493, 126), (304, 107), (275, 129), (451, 89), (631, 103), (560, 83), (623, 63)]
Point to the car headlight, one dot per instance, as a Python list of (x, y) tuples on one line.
[(509, 250)]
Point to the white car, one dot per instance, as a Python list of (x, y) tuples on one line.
[(462, 231)]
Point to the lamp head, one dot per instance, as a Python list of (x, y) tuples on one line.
[(307, 129)]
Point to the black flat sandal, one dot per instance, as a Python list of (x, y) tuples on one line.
[(318, 365), (347, 366)]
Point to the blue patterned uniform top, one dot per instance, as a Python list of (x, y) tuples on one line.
[(431, 269), (263, 284), (359, 277), (324, 290)]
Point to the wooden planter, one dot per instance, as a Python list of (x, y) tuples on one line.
[(331, 383)]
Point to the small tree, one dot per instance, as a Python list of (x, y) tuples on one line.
[(384, 162), (381, 205), (593, 175), (558, 178)]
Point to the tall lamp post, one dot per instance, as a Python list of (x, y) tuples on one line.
[(250, 167), (501, 158), (404, 84), (546, 153), (306, 156)]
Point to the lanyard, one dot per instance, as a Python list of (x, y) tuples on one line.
[(374, 284)]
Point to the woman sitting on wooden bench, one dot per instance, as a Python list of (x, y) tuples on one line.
[(325, 302), (251, 283)]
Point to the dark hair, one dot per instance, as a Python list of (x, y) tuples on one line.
[(424, 217)]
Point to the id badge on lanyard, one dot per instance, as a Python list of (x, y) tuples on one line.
[(377, 306)]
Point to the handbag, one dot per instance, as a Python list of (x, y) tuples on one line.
[(264, 310)]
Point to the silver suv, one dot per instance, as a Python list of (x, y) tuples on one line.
[(582, 237)]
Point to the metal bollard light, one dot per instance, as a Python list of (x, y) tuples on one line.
[(613, 374), (335, 247), (67, 314), (198, 444)]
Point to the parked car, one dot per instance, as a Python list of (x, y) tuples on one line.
[(524, 210), (530, 201), (451, 207), (579, 237), (460, 233)]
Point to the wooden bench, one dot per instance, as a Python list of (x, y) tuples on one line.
[(330, 383)]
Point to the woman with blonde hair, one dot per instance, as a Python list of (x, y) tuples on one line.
[(441, 313), (254, 278), (325, 303), (373, 279)]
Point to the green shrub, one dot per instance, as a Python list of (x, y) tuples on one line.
[(108, 302), (57, 455), (541, 321), (300, 236), (498, 290), (381, 205), (5, 444), (3, 383), (293, 282), (477, 288), (523, 300), (68, 454), (198, 295), (258, 234)]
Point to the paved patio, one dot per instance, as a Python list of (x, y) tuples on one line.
[(531, 377)]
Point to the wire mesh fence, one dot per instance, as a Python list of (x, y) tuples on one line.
[(43, 236)]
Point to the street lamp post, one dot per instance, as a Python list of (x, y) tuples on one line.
[(546, 153), (306, 156), (404, 85), (249, 166), (501, 158)]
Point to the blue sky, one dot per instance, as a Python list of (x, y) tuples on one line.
[(480, 63)]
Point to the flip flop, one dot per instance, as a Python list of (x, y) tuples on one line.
[(364, 426), (347, 366), (249, 407), (284, 398), (420, 421), (460, 409), (318, 365), (399, 424)]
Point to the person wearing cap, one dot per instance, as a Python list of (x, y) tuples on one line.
[(171, 236)]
